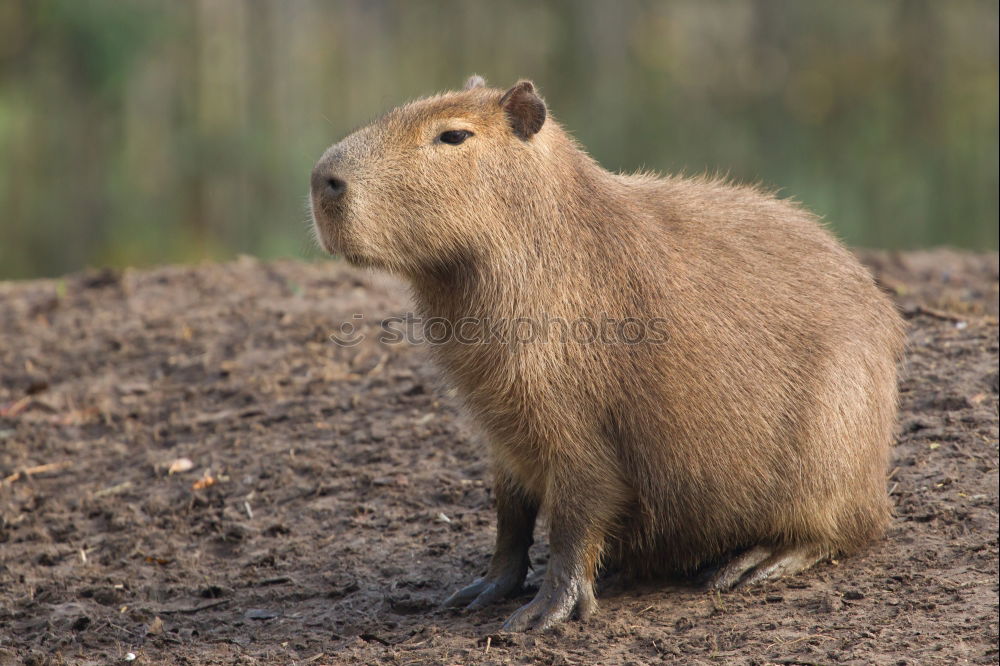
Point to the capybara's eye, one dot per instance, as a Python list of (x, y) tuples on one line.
[(454, 137)]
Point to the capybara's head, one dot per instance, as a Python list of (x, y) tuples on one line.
[(432, 180)]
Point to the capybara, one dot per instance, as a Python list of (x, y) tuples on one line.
[(748, 438)]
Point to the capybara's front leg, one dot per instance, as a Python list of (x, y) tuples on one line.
[(580, 511), (516, 513), (569, 581)]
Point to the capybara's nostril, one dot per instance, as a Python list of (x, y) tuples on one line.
[(326, 185), (335, 187)]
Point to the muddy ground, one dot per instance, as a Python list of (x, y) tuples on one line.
[(335, 496)]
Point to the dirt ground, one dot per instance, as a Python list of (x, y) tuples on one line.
[(335, 496)]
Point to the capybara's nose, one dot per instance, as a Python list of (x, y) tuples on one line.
[(326, 185), (335, 186)]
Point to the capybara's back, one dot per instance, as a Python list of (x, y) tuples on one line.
[(741, 414), (766, 419)]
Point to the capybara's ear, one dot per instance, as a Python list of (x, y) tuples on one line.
[(475, 81), (525, 110)]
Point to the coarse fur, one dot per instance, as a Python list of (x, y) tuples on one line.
[(763, 421)]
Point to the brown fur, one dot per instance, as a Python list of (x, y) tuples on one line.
[(767, 417)]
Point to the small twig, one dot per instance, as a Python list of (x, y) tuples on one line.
[(16, 408), (37, 469), (489, 642), (275, 581), (952, 316), (194, 609), (369, 638), (799, 640), (114, 490), (936, 313)]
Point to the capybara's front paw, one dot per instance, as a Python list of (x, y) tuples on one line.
[(554, 603), (487, 590)]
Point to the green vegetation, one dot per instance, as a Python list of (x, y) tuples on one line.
[(146, 131)]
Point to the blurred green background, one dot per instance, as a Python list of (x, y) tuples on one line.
[(138, 132)]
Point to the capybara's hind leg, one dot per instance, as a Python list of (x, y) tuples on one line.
[(784, 562), (730, 573), (765, 563)]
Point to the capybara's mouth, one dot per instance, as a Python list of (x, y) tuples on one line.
[(330, 235), (328, 223), (323, 234)]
